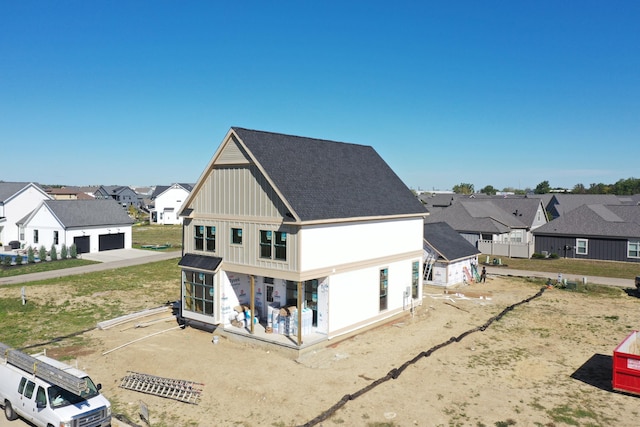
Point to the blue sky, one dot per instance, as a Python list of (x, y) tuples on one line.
[(501, 93)]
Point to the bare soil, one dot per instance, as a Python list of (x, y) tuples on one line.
[(547, 362)]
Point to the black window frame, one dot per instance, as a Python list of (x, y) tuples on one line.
[(236, 236), (198, 236), (210, 238)]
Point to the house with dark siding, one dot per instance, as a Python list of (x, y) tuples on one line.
[(600, 232), (495, 225)]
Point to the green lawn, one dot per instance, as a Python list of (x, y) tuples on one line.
[(621, 270), (157, 235), (68, 305)]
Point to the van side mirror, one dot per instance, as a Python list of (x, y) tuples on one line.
[(99, 387)]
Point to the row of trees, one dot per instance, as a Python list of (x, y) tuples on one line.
[(65, 252), (621, 187)]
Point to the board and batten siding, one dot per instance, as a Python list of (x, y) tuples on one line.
[(248, 253), (238, 191), (598, 248), (235, 194)]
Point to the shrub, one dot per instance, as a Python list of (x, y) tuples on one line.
[(63, 251), (537, 256), (42, 253), (74, 251), (54, 253), (6, 261), (31, 255), (553, 256), (18, 259)]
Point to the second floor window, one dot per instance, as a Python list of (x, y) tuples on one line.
[(211, 239), (265, 243), (280, 245), (35, 236), (273, 244), (199, 237), (55, 237), (236, 236)]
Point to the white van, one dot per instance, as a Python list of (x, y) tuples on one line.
[(49, 393)]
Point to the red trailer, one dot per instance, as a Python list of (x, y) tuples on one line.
[(626, 365)]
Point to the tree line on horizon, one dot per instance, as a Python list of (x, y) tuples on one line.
[(622, 187)]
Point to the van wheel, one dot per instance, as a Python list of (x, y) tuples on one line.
[(9, 412)]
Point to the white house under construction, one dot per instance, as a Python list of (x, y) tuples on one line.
[(299, 231)]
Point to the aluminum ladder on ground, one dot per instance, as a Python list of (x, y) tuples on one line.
[(181, 390)]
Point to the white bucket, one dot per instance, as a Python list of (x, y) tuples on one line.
[(215, 339)]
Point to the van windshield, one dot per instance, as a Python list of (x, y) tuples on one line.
[(59, 397)]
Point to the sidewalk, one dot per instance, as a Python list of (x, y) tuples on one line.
[(107, 260), (609, 281)]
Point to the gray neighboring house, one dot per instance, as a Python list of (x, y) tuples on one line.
[(600, 232), (92, 225), (495, 225), (124, 195), (449, 259), (560, 204)]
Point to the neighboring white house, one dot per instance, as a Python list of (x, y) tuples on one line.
[(17, 199), (92, 225), (449, 258), (323, 228), (167, 201)]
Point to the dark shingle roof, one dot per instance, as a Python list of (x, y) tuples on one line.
[(323, 179), (447, 242), (9, 189), (560, 204), (596, 221), (478, 217), (201, 262), (87, 213)]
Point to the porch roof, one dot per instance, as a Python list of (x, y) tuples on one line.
[(201, 262)]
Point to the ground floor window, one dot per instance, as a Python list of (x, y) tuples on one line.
[(582, 246), (415, 279), (384, 285), (633, 249), (199, 292)]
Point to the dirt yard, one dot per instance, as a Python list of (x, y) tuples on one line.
[(545, 363)]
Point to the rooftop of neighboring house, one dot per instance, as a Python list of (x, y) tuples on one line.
[(84, 213), (478, 216), (159, 189), (10, 189), (596, 221), (447, 241)]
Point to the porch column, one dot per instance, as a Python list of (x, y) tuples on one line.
[(252, 303), (300, 290)]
